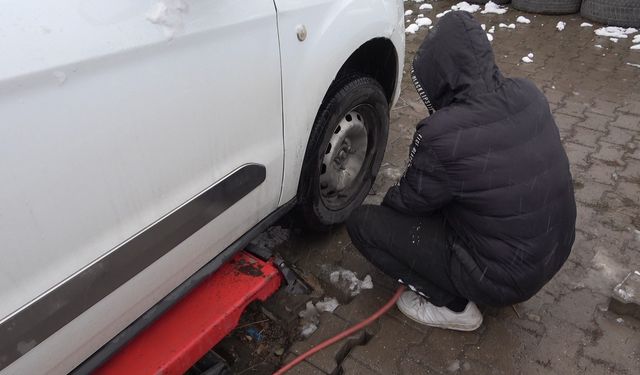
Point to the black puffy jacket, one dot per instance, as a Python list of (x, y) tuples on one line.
[(490, 160)]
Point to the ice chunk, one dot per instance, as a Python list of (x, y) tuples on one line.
[(523, 19), (408, 13), (561, 25), (598, 46), (530, 55), (586, 24), (411, 29), (491, 7), (426, 6), (492, 29), (512, 26), (328, 305), (527, 59), (490, 37), (464, 6), (425, 21), (348, 281), (308, 329)]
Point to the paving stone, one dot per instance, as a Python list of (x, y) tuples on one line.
[(595, 121), (304, 368), (329, 326), (615, 345), (383, 353), (603, 107), (630, 191), (565, 123), (591, 193), (503, 336), (564, 309), (632, 171), (578, 154), (442, 347), (585, 136), (409, 365), (631, 107), (351, 366), (618, 136), (630, 122), (626, 296), (602, 172), (610, 152)]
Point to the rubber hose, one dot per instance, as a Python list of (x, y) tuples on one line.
[(344, 334)]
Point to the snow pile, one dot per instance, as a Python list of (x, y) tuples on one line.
[(168, 14), (586, 24), (561, 25), (348, 281), (528, 59), (523, 19), (636, 42), (634, 65), (615, 40), (635, 46), (424, 21), (615, 32), (439, 15), (411, 29), (492, 29), (490, 37), (491, 7), (464, 6), (509, 26), (408, 13), (426, 6)]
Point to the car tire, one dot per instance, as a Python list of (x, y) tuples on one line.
[(623, 13), (548, 6), (350, 128)]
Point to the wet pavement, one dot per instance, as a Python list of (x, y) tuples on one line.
[(567, 328)]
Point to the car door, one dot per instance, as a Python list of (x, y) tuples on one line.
[(138, 140)]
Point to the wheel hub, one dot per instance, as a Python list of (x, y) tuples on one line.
[(344, 156)]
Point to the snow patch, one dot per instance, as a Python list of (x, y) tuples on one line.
[(411, 29), (492, 29), (490, 37), (327, 305), (168, 14), (561, 25), (586, 24), (425, 21), (348, 281), (491, 7), (615, 32), (408, 13), (439, 15), (523, 19), (527, 60), (636, 39), (598, 46), (615, 40), (509, 26), (484, 27), (426, 6), (466, 7)]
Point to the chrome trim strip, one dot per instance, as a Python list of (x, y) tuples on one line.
[(35, 322)]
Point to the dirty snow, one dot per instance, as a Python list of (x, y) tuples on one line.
[(424, 21), (408, 13), (454, 366), (491, 7), (615, 32), (492, 29), (426, 6), (490, 37), (620, 320), (308, 329), (168, 14), (615, 40), (586, 24), (327, 305), (411, 29), (523, 19), (348, 281), (464, 6), (561, 25), (439, 15)]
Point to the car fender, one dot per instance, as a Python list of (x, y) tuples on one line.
[(316, 39)]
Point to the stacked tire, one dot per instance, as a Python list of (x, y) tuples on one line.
[(548, 6), (623, 13)]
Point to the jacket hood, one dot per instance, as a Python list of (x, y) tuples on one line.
[(454, 62)]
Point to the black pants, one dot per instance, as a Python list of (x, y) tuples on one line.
[(413, 250)]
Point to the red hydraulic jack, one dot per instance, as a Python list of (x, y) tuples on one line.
[(181, 336)]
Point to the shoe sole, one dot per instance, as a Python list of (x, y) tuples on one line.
[(452, 326)]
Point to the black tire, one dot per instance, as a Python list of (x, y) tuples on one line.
[(623, 13), (548, 6), (499, 2), (353, 92)]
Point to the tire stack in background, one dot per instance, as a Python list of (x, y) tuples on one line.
[(623, 13)]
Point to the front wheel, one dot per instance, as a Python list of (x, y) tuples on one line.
[(345, 150)]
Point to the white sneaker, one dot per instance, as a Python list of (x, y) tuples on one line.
[(417, 308)]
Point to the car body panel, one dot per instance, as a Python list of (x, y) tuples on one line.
[(110, 122)]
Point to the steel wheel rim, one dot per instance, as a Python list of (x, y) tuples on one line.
[(343, 159)]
